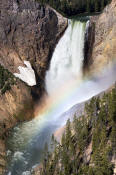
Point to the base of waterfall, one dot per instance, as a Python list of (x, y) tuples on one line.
[(29, 138), (66, 87)]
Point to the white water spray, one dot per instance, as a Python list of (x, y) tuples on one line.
[(66, 67), (66, 63)]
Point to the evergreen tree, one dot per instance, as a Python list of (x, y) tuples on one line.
[(68, 157), (102, 4), (96, 6), (88, 6)]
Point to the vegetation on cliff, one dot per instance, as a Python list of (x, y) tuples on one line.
[(73, 7), (6, 80), (89, 142)]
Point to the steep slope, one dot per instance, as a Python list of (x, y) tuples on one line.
[(102, 39), (82, 150), (15, 105), (28, 32)]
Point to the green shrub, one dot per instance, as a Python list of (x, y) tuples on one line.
[(6, 80)]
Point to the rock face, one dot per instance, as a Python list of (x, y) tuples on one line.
[(104, 47), (2, 157), (15, 105), (88, 45), (28, 32)]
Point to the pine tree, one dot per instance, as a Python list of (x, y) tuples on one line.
[(96, 6), (102, 4), (68, 133), (88, 6)]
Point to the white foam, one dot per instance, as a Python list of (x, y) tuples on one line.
[(26, 173), (26, 74), (18, 156), (67, 59), (9, 173)]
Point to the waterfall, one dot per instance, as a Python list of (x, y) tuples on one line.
[(67, 59), (65, 89), (29, 138)]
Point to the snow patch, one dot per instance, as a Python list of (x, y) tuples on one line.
[(26, 74)]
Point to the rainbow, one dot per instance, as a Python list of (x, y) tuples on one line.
[(61, 101)]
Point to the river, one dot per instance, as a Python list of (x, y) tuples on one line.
[(66, 87)]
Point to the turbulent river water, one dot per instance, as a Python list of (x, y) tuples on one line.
[(66, 87)]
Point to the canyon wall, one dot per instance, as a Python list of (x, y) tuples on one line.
[(28, 32), (102, 39), (100, 51)]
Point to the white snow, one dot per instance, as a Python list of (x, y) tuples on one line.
[(26, 74)]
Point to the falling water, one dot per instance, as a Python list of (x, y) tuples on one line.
[(66, 63), (65, 88)]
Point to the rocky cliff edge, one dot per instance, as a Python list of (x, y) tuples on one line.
[(28, 32)]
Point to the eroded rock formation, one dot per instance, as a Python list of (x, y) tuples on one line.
[(104, 46), (28, 32)]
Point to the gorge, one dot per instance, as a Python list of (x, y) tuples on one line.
[(27, 141), (34, 134), (65, 84)]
